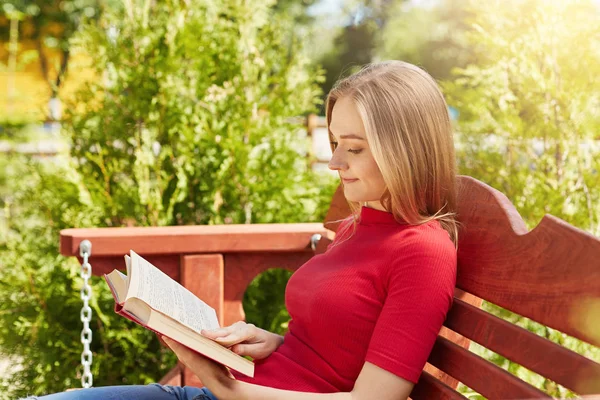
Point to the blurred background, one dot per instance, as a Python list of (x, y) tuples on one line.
[(180, 112)]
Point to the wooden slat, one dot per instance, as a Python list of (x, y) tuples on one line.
[(322, 245), (454, 338), (203, 275), (169, 264), (192, 239), (550, 275), (538, 354), (480, 375), (429, 388), (173, 377)]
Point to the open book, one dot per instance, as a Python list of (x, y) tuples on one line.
[(149, 297)]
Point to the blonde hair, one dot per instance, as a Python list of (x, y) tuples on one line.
[(410, 136)]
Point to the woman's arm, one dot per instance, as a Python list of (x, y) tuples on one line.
[(372, 383)]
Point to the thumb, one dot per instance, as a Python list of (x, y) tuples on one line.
[(254, 350)]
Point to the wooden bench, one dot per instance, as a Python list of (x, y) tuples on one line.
[(550, 275)]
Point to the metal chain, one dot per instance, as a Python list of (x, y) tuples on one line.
[(85, 250)]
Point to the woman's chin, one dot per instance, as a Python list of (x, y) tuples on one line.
[(354, 199)]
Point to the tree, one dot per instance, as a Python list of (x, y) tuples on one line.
[(296, 9), (354, 42), (193, 119), (433, 36), (528, 121)]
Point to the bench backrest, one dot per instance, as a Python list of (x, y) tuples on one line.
[(550, 275)]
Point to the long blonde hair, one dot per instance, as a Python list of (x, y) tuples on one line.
[(410, 135)]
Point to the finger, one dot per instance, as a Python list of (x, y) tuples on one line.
[(230, 340), (215, 333), (247, 332), (224, 331), (160, 339), (242, 349)]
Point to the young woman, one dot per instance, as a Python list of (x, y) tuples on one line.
[(366, 313)]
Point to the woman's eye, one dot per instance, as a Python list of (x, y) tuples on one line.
[(357, 151)]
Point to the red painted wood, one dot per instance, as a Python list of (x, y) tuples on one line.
[(173, 377), (242, 268), (169, 264), (549, 274), (203, 275), (455, 338), (191, 239), (479, 374), (322, 245), (538, 354), (429, 388)]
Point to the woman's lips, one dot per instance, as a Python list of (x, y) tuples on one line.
[(349, 180)]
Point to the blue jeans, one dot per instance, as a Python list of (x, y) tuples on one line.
[(153, 391)]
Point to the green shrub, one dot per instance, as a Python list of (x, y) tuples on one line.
[(192, 120)]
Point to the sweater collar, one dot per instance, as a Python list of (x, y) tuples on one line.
[(371, 216)]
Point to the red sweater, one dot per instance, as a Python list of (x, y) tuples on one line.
[(379, 295)]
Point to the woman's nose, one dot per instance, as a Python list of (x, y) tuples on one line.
[(337, 163)]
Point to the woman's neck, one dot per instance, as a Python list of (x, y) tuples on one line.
[(374, 204)]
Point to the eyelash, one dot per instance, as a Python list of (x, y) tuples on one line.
[(334, 144)]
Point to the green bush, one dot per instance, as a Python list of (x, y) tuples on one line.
[(39, 293), (192, 120)]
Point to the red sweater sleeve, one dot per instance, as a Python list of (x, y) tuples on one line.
[(420, 288)]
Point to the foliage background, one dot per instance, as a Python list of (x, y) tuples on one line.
[(193, 119)]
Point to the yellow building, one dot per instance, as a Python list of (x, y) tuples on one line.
[(24, 91)]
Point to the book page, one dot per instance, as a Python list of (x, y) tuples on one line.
[(118, 285), (163, 294)]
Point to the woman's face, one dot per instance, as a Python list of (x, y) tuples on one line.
[(352, 156)]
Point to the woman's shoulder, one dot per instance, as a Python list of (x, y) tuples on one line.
[(428, 241), (426, 234)]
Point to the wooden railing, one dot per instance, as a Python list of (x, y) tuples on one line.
[(216, 262)]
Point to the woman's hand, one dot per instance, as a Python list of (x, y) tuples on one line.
[(246, 339), (213, 375)]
